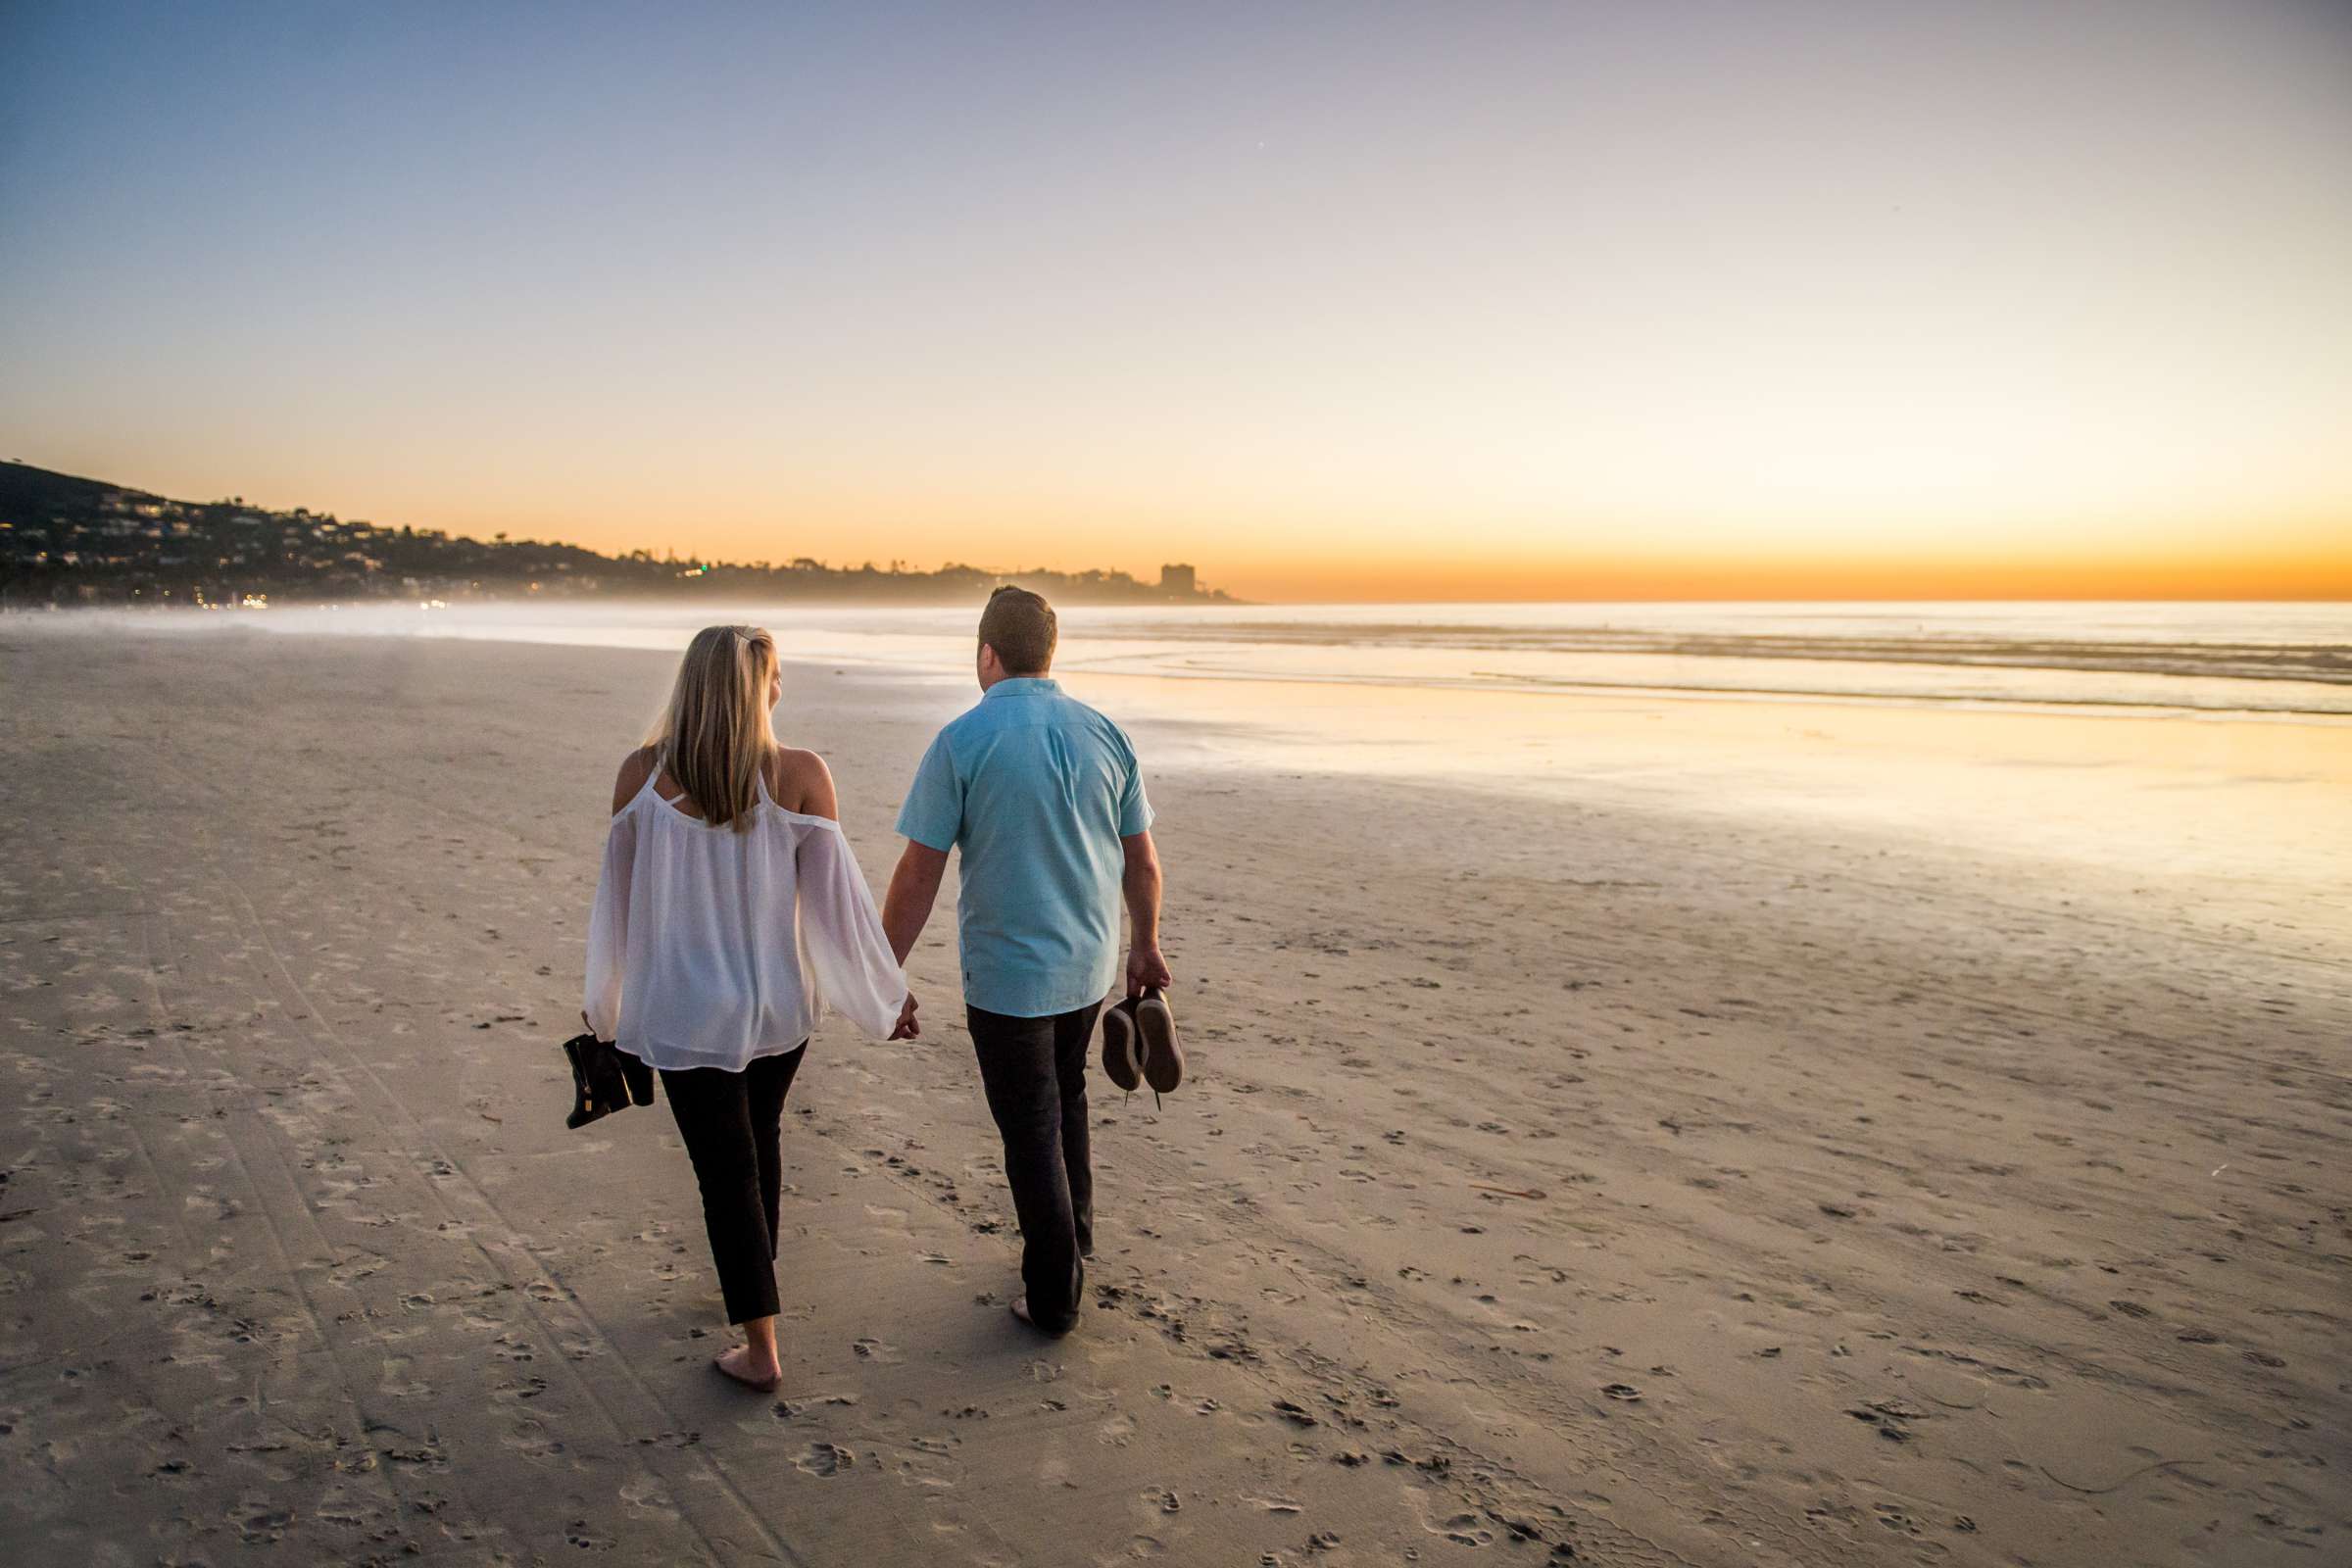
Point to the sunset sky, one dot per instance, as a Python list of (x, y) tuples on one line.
[(1352, 301)]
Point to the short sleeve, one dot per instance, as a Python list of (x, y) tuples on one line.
[(1135, 807), (933, 815)]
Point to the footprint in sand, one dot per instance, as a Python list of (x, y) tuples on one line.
[(258, 1525), (824, 1459), (1896, 1519), (1467, 1529)]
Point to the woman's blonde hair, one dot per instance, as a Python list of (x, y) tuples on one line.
[(714, 735)]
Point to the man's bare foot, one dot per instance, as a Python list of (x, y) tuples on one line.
[(740, 1364), (1020, 1309)]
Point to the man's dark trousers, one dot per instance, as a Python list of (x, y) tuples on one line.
[(1034, 1072)]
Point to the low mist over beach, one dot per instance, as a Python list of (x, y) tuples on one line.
[(1751, 1157)]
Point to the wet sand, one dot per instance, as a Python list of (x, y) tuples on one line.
[(1565, 1177)]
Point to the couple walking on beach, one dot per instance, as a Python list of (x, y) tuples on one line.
[(730, 911)]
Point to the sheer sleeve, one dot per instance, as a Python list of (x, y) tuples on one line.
[(846, 958), (608, 929)]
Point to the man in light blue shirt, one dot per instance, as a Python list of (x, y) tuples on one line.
[(1044, 797)]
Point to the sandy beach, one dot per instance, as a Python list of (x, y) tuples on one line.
[(1565, 1177)]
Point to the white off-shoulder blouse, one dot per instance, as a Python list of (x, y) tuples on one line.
[(709, 947)]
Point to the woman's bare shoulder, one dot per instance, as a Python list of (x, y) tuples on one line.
[(635, 768), (801, 782)]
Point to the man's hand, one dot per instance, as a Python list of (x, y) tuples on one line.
[(1146, 968), (906, 1028)]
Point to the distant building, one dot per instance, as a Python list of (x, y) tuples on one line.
[(1177, 583)]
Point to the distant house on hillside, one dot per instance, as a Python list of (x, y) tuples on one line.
[(1177, 583)]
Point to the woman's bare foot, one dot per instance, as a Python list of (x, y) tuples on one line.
[(748, 1368), (1020, 1309)]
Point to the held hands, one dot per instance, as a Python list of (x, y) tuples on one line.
[(1146, 968), (906, 1028)]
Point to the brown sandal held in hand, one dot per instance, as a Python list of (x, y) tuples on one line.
[(1120, 1062), (1162, 1058)]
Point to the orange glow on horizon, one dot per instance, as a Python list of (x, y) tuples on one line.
[(2184, 578), (1316, 562), (1405, 551)]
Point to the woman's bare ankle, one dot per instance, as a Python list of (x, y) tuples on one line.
[(749, 1358)]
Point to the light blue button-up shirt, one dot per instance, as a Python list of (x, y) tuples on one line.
[(1037, 789)]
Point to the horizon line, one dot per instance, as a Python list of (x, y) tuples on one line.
[(2329, 592)]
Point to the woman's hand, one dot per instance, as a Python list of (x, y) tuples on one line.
[(906, 1028)]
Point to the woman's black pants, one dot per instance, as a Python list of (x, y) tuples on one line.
[(729, 1121)]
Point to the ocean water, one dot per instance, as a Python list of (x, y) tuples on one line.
[(2203, 748), (2248, 658)]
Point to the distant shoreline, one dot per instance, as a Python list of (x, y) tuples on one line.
[(69, 540)]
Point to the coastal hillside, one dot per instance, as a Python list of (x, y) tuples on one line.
[(68, 540)]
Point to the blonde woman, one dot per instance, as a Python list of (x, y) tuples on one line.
[(730, 911)]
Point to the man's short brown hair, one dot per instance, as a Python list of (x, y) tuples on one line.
[(1019, 625)]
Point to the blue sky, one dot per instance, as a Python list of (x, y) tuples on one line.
[(1502, 288)]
